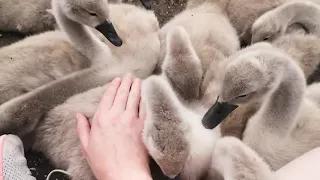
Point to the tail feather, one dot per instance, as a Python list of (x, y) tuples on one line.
[(182, 65), (163, 132)]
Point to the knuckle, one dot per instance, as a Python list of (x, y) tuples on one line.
[(114, 117), (114, 83), (99, 122), (123, 92), (109, 93), (130, 117), (96, 117), (110, 88)]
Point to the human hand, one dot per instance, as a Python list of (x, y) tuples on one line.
[(113, 146)]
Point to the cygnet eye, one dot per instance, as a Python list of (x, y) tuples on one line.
[(92, 14), (266, 38), (242, 96)]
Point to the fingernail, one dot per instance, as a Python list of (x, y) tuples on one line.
[(117, 79), (128, 75)]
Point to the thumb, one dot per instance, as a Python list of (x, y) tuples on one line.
[(83, 129)]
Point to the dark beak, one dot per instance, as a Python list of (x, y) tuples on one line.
[(245, 37), (107, 29), (243, 43), (146, 3), (216, 114), (177, 177)]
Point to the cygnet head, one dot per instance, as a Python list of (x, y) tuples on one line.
[(251, 75), (93, 13), (265, 28), (243, 73)]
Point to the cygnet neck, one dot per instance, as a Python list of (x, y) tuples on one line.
[(278, 112), (305, 13), (81, 38)]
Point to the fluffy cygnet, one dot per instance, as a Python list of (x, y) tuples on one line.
[(241, 13), (305, 50), (209, 29), (288, 116), (42, 58), (138, 54), (275, 22), (173, 133), (31, 16)]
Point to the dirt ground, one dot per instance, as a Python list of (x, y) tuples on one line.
[(164, 9), (39, 166)]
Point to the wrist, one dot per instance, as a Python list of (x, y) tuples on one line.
[(122, 174)]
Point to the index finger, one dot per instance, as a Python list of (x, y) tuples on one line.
[(134, 98), (110, 94), (121, 99)]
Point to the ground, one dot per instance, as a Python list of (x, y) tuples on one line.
[(165, 9), (39, 166)]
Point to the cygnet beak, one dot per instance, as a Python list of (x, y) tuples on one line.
[(217, 113), (175, 177), (146, 3), (107, 29)]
